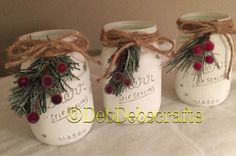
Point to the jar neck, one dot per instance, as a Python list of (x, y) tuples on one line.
[(191, 23), (44, 35), (132, 26), (205, 16)]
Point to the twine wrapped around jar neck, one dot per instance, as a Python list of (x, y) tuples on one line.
[(199, 28), (122, 40), (30, 49)]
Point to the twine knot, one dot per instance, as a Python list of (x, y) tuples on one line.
[(123, 40), (29, 49), (199, 28)]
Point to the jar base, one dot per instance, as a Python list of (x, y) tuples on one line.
[(54, 143), (204, 104)]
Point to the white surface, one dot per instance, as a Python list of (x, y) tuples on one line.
[(215, 136)]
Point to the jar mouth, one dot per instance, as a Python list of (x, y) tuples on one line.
[(205, 16), (47, 33), (132, 26)]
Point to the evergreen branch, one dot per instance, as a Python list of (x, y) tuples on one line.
[(122, 76), (186, 58), (32, 97)]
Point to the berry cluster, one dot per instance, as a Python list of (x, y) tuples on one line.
[(118, 79), (194, 54), (47, 82), (203, 49), (122, 76)]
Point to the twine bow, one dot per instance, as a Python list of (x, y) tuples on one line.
[(29, 49), (200, 28), (123, 40)]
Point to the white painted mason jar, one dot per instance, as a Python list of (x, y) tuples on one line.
[(60, 124), (145, 93), (214, 87)]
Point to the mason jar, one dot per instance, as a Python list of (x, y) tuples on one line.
[(68, 121), (144, 95), (214, 86)]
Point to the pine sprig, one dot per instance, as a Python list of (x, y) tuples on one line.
[(186, 59), (122, 76), (32, 98)]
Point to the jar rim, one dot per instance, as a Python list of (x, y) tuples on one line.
[(50, 33), (205, 16), (132, 26)]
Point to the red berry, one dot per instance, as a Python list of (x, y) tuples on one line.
[(108, 89), (208, 45), (61, 67), (118, 76), (127, 82), (209, 59), (33, 117), (197, 66), (56, 98), (23, 81), (198, 49), (47, 81)]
